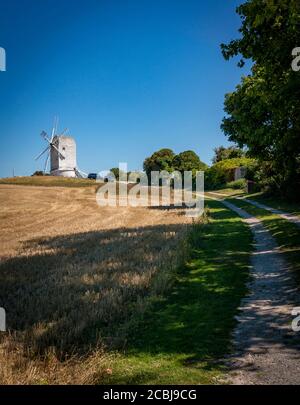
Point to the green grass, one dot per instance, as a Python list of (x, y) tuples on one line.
[(182, 337), (48, 181), (277, 203), (286, 234), (273, 202), (227, 191)]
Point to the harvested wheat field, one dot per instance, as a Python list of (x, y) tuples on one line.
[(73, 276)]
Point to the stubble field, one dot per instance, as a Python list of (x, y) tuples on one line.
[(74, 276)]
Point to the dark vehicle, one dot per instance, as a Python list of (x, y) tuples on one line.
[(92, 176)]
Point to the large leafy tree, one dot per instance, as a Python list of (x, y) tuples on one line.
[(263, 112), (158, 161), (165, 159), (222, 153), (188, 161), (116, 172)]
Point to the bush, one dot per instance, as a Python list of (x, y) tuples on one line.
[(223, 172), (240, 184), (38, 173)]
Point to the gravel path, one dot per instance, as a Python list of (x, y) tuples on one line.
[(267, 350), (285, 215)]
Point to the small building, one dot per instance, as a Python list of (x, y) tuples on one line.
[(239, 173)]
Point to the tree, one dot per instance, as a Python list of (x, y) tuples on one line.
[(116, 172), (188, 161), (38, 173), (222, 153), (263, 112), (158, 161)]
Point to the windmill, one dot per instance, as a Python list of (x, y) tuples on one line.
[(61, 152)]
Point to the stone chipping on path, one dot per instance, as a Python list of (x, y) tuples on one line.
[(266, 349)]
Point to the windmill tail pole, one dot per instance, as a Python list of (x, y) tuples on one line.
[(80, 174)]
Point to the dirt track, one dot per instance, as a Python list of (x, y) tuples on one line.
[(267, 349)]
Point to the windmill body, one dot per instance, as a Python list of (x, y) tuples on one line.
[(63, 158)]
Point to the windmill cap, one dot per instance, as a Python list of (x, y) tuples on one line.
[(65, 137)]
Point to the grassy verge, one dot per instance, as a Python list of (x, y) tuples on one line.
[(48, 181), (286, 234), (227, 191), (277, 203), (182, 337), (274, 202)]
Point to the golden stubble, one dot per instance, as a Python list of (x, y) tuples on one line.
[(73, 276)]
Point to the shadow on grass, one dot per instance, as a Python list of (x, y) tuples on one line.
[(192, 326), (70, 292), (198, 315), (197, 318)]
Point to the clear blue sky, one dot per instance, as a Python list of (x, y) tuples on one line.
[(126, 76)]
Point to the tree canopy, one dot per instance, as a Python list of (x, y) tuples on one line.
[(160, 160), (165, 159), (263, 113), (188, 161), (222, 153), (116, 172)]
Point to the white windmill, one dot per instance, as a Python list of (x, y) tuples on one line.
[(61, 151)]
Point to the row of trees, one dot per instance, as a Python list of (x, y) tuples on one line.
[(166, 159), (225, 161), (263, 113)]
